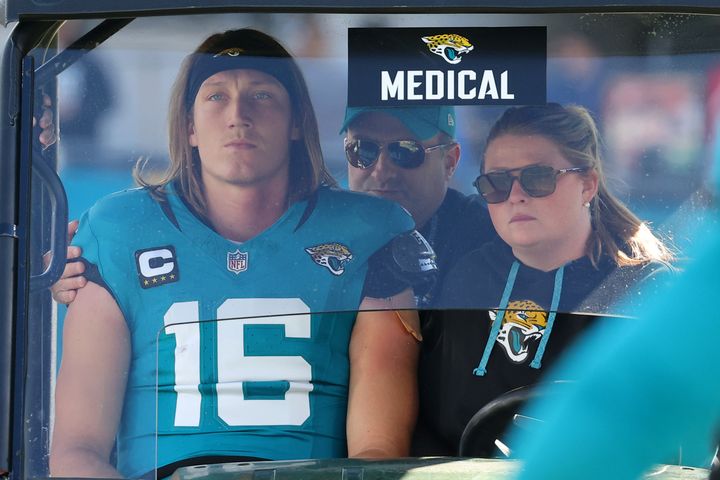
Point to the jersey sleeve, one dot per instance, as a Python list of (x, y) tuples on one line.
[(85, 238), (101, 245)]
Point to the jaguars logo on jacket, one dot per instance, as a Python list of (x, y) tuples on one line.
[(523, 324)]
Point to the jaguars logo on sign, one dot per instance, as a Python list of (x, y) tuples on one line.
[(523, 325), (333, 256), (450, 47)]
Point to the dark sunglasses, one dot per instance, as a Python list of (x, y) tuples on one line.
[(403, 153), (536, 180)]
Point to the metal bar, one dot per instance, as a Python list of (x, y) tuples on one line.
[(9, 101), (8, 230), (67, 9), (14, 188), (19, 371), (54, 203), (53, 67)]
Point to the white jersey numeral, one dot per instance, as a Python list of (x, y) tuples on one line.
[(187, 361), (234, 367)]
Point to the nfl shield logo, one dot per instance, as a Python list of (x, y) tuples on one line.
[(237, 261)]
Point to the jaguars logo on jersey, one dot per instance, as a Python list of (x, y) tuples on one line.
[(333, 256), (524, 323), (450, 46)]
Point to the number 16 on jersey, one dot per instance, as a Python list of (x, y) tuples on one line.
[(234, 368)]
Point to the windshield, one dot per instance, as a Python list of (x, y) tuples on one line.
[(648, 102), (509, 175)]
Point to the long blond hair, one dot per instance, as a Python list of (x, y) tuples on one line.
[(307, 168), (616, 231)]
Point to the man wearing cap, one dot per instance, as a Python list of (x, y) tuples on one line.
[(409, 155)]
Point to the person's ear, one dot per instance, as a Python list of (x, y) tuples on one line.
[(192, 137), (295, 133), (452, 158), (591, 181)]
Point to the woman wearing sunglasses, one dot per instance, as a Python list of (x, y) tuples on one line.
[(565, 244)]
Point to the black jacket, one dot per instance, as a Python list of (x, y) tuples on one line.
[(453, 383), (461, 224)]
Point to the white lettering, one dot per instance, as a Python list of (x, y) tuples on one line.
[(451, 85), (413, 85), (392, 88), (462, 93), (149, 271), (444, 85), (504, 94), (434, 78), (487, 86)]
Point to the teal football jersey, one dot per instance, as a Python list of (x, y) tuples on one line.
[(229, 353)]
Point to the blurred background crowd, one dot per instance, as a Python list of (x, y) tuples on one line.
[(650, 81)]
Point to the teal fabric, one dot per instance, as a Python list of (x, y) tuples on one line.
[(645, 389), (507, 291), (274, 387), (424, 122)]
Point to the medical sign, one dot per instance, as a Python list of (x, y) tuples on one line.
[(447, 66)]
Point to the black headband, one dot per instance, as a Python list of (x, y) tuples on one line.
[(209, 64)]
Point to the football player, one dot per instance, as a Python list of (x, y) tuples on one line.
[(243, 230)]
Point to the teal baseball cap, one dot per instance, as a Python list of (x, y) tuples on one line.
[(423, 122)]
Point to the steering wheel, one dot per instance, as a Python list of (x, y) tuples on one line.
[(490, 422)]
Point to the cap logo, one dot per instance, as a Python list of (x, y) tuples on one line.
[(230, 52), (449, 46), (451, 120)]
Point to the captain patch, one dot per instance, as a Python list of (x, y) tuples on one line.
[(157, 266)]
